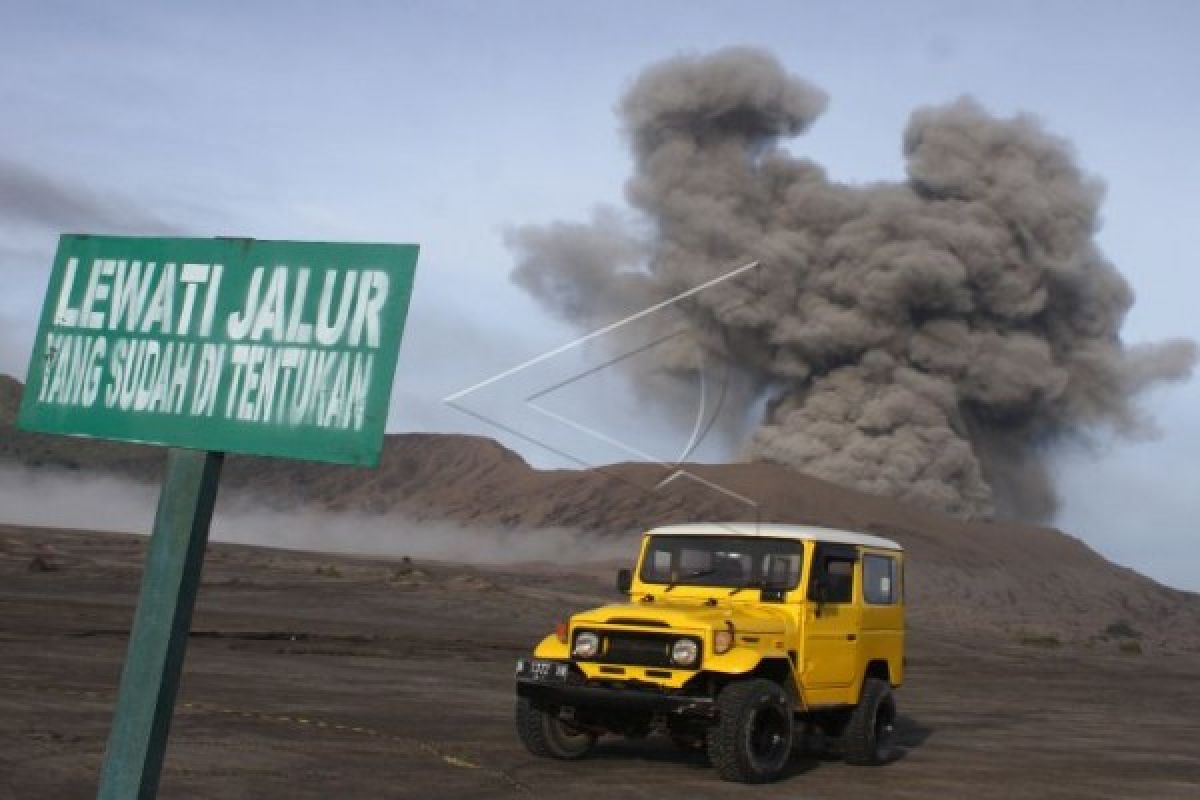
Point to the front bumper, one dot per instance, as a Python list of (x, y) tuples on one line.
[(562, 684)]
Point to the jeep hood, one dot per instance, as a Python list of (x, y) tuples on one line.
[(685, 616)]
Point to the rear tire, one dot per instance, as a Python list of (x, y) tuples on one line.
[(545, 735), (752, 740), (867, 740)]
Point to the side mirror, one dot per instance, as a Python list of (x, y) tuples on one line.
[(624, 580), (776, 583), (818, 593)]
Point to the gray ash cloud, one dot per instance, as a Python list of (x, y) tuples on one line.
[(931, 339), (29, 197)]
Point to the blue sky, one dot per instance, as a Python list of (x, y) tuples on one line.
[(446, 123)]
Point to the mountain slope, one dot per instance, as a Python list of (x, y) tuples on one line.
[(1020, 579)]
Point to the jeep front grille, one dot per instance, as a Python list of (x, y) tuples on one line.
[(638, 649)]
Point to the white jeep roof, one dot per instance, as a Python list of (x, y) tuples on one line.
[(773, 530)]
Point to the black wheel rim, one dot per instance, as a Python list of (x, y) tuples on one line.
[(569, 737), (769, 739)]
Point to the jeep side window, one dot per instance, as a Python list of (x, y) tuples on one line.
[(880, 585), (836, 575)]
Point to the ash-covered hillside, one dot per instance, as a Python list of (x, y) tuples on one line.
[(1022, 579)]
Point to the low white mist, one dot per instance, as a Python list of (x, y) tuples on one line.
[(63, 499)]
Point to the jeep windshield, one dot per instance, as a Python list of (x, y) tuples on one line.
[(731, 561)]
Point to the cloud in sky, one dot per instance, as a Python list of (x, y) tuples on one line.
[(35, 206)]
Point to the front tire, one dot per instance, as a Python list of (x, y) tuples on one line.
[(545, 735), (752, 740), (867, 739)]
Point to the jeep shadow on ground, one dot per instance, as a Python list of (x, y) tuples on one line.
[(655, 748), (908, 735), (812, 751), (808, 753), (659, 750)]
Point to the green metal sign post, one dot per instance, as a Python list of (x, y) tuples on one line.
[(138, 739), (209, 346)]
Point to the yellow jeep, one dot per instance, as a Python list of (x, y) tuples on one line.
[(734, 635)]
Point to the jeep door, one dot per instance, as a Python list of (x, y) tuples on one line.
[(831, 618)]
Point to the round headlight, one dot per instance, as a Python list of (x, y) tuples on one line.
[(587, 645), (685, 652), (722, 641)]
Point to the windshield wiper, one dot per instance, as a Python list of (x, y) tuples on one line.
[(696, 573), (747, 585)]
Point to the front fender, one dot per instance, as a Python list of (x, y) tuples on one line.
[(741, 660), (551, 647)]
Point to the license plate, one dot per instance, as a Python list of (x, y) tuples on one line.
[(534, 669)]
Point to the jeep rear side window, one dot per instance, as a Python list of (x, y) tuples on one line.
[(879, 580)]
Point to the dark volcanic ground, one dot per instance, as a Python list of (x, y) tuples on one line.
[(318, 677)]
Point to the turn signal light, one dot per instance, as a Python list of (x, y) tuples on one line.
[(560, 632), (723, 640)]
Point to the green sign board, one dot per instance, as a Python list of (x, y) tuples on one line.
[(229, 345)]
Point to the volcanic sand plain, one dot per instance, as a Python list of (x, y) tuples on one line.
[(318, 676)]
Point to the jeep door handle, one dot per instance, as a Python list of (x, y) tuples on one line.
[(850, 637)]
